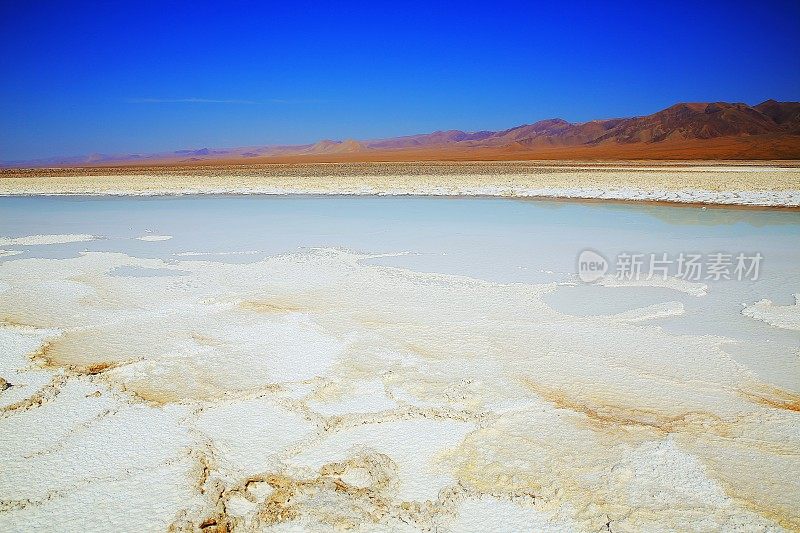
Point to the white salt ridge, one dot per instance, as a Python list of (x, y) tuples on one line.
[(193, 254), (781, 316), (471, 184), (689, 196), (754, 198), (8, 253), (651, 312), (154, 238), (36, 240)]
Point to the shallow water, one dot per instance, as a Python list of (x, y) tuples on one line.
[(496, 239), (500, 240), (366, 355)]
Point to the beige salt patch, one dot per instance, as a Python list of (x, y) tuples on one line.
[(112, 322), (324, 503), (248, 355), (267, 306), (327, 500), (781, 316), (488, 513), (27, 305), (623, 477), (9, 253), (99, 348), (757, 468), (418, 448)]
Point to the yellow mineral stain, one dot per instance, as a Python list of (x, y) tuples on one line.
[(104, 291), (67, 352), (205, 340), (96, 368), (270, 306), (606, 416), (751, 494), (774, 397), (11, 321)]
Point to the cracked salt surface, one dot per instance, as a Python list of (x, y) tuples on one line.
[(317, 390)]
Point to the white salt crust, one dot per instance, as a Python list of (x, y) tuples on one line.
[(154, 238), (36, 240), (313, 391), (780, 316), (724, 183)]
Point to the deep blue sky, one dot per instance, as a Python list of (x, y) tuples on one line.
[(124, 77)]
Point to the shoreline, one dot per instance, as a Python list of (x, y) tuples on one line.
[(723, 183), (572, 200), (654, 198)]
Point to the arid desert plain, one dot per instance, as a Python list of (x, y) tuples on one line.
[(450, 347)]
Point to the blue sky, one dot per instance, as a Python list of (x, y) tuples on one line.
[(124, 77)]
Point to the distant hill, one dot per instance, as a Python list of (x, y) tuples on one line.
[(681, 122), (336, 147), (717, 130)]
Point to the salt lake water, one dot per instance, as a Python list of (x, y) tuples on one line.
[(501, 240)]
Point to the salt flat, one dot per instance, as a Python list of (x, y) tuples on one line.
[(772, 183), (391, 364)]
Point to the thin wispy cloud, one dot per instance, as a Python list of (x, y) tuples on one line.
[(193, 100), (186, 101)]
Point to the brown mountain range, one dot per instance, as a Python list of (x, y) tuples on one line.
[(719, 130), (695, 130)]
